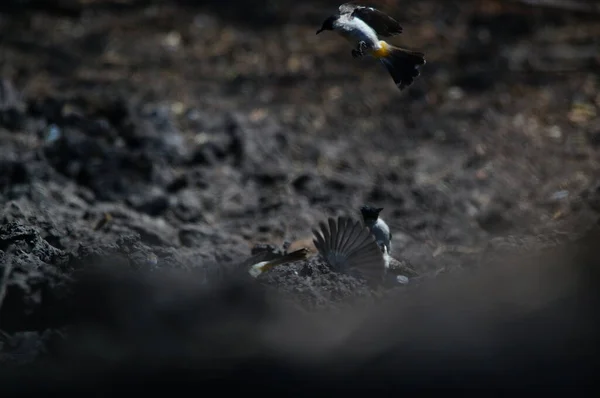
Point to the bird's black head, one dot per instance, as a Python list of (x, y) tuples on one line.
[(370, 213), (328, 24)]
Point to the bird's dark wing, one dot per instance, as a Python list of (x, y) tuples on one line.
[(349, 247), (383, 24), (297, 255), (257, 258)]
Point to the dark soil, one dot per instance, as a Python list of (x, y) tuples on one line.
[(146, 147)]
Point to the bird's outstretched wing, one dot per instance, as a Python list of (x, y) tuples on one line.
[(383, 24), (263, 262), (349, 247)]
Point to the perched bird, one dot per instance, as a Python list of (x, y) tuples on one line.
[(383, 237), (377, 226), (348, 247), (363, 26)]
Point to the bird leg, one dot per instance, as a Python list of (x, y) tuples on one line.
[(359, 52)]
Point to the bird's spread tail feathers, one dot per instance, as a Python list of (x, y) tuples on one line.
[(402, 64), (349, 247)]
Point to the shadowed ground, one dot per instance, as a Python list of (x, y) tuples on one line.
[(146, 147)]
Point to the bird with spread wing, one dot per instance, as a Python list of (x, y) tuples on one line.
[(363, 26)]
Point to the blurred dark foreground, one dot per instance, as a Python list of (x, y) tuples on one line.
[(531, 324)]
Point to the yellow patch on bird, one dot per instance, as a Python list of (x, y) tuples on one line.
[(383, 51)]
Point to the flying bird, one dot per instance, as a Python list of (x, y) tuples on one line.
[(363, 26)]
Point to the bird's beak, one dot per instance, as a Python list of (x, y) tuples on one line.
[(319, 31)]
